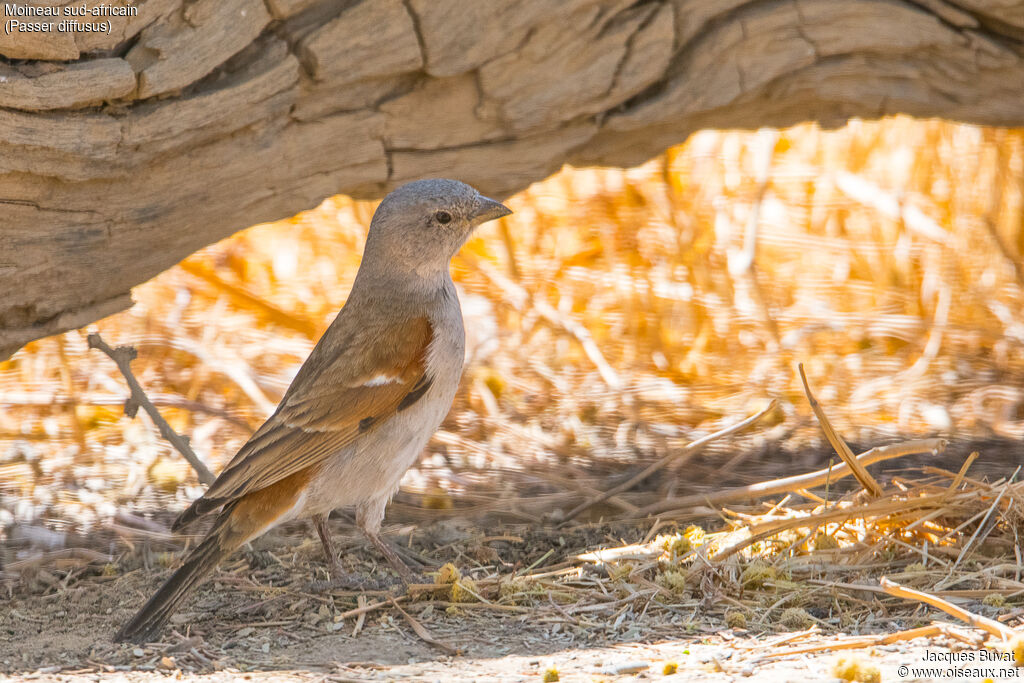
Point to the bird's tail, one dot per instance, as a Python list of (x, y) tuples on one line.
[(198, 508), (148, 621)]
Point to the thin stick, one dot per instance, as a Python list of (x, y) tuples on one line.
[(84, 554), (123, 356), (828, 479), (990, 626), (423, 633), (361, 619), (364, 609), (982, 525), (577, 608), (880, 507), (861, 642), (862, 475), (688, 450), (797, 482), (549, 553), (481, 606), (959, 479)]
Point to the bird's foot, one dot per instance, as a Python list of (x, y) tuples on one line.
[(394, 555), (411, 558)]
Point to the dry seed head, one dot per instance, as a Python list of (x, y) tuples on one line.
[(678, 544), (851, 668), (994, 600), (449, 573), (519, 589), (674, 580), (796, 618), (825, 542), (736, 619), (620, 572), (757, 573), (465, 590)]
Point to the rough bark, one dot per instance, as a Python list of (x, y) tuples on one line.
[(122, 153)]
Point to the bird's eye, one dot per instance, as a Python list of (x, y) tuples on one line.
[(443, 217)]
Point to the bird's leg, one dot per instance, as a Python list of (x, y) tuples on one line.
[(339, 577), (368, 519), (322, 530), (396, 562)]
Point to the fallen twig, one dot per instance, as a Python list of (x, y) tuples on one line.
[(877, 508), (959, 478), (990, 626), (423, 633), (859, 642), (983, 526), (123, 356), (689, 449), (858, 470), (797, 482), (363, 609), (81, 555), (141, 524)]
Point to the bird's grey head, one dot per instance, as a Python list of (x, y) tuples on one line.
[(418, 227)]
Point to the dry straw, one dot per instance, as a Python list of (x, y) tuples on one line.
[(616, 320)]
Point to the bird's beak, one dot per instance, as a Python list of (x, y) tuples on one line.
[(488, 210)]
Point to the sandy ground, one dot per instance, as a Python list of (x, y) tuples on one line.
[(258, 618), (69, 639)]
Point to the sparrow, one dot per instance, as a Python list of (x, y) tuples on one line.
[(362, 406)]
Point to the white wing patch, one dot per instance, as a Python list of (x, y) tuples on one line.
[(380, 380)]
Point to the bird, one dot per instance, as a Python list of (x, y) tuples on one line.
[(361, 407)]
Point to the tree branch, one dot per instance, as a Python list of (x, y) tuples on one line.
[(123, 356)]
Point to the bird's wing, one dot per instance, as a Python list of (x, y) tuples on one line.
[(356, 377)]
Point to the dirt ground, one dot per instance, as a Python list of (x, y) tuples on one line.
[(260, 618)]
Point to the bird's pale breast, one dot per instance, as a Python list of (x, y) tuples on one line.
[(369, 471)]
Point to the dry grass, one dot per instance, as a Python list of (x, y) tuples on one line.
[(614, 318), (780, 580)]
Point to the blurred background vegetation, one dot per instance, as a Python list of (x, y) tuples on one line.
[(616, 315)]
